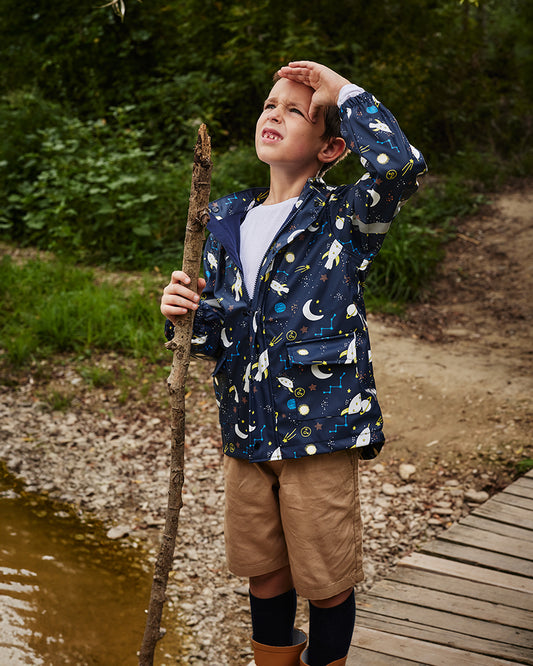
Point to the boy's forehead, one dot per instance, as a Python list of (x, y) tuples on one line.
[(292, 91)]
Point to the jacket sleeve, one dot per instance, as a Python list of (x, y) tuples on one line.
[(366, 209), (208, 319)]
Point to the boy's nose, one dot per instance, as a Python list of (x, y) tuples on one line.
[(274, 114)]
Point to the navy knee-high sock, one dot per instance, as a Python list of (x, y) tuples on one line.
[(330, 632), (273, 619)]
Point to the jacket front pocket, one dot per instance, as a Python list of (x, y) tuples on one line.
[(320, 396)]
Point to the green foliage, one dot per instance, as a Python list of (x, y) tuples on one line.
[(89, 188), (98, 116), (50, 307), (453, 72)]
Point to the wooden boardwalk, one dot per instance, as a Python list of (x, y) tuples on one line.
[(465, 599)]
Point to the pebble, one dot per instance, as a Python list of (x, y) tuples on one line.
[(116, 468), (476, 496), (406, 471), (118, 532)]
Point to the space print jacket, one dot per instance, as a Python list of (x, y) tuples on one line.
[(293, 374)]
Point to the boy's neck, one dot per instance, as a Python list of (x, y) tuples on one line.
[(285, 185)]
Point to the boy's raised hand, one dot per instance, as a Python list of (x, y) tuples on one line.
[(178, 298), (325, 82)]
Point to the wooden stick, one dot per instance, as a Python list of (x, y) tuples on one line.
[(197, 219)]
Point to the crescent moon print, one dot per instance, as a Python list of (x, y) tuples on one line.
[(224, 338), (317, 372), (375, 197), (294, 235), (307, 311), (239, 432)]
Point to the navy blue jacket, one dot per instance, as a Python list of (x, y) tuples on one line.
[(293, 374)]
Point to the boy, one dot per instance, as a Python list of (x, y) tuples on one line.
[(282, 312)]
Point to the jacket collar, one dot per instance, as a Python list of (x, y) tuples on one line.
[(226, 215)]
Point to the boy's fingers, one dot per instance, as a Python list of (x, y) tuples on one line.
[(296, 73), (180, 276)]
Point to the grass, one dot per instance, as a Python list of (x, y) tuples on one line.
[(51, 307)]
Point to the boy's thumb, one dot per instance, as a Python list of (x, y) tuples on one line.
[(313, 111)]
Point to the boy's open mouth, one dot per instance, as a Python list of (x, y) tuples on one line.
[(271, 135)]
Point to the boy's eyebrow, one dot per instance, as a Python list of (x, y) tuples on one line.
[(287, 103)]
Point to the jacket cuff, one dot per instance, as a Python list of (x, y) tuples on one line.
[(169, 330), (347, 91)]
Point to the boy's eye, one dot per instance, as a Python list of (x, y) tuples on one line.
[(269, 106), (294, 110)]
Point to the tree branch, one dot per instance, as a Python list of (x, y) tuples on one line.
[(197, 219)]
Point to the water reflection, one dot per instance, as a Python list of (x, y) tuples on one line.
[(67, 594)]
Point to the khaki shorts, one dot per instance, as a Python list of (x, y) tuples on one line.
[(303, 513)]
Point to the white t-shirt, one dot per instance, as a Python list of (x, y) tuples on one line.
[(258, 230)]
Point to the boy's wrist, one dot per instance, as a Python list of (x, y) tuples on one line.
[(347, 91)]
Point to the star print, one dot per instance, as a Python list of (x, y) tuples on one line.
[(323, 278), (312, 387), (304, 329), (318, 426)]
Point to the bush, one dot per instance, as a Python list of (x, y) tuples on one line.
[(90, 189)]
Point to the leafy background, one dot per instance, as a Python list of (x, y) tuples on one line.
[(98, 116)]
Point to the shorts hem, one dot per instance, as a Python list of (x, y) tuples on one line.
[(249, 571), (330, 590)]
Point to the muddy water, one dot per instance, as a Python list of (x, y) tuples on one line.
[(68, 595)]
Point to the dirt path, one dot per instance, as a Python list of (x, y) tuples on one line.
[(455, 377)]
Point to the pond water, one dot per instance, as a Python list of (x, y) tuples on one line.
[(68, 595)]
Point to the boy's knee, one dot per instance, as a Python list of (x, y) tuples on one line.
[(271, 584), (330, 602)]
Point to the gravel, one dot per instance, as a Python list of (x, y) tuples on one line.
[(111, 461)]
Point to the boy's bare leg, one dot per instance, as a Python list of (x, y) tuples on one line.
[(332, 601), (271, 584)]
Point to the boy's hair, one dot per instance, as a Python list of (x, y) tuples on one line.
[(332, 130)]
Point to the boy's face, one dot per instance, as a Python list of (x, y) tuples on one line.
[(285, 136)]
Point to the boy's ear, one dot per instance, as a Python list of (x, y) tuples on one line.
[(332, 150)]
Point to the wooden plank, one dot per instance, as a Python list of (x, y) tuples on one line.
[(442, 636), (485, 558), (481, 523), (417, 651), (521, 488), (514, 500), (471, 536), (427, 562), (529, 474), (505, 514), (523, 481), (465, 586), (444, 620), (358, 656), (453, 603)]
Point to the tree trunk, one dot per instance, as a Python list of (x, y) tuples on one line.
[(197, 219)]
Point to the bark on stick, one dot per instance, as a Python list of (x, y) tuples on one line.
[(181, 346)]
